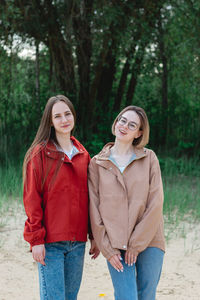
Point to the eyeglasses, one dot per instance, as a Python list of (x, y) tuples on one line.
[(131, 125)]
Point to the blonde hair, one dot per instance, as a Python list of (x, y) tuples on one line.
[(142, 140)]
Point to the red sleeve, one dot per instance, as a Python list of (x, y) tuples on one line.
[(34, 231)]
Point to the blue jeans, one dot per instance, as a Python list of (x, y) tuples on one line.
[(138, 282), (60, 279)]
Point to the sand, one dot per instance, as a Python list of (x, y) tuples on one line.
[(19, 277)]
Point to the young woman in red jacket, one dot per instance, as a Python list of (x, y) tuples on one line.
[(56, 202)]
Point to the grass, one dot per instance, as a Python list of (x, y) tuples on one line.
[(181, 181), (10, 184)]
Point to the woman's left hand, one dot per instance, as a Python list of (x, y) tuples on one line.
[(94, 251), (130, 258)]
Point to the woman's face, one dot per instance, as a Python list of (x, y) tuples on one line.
[(62, 118), (127, 128)]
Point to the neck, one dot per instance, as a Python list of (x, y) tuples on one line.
[(64, 141), (120, 148)]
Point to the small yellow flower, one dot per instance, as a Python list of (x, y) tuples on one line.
[(102, 295)]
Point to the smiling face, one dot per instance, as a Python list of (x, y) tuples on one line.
[(127, 128), (62, 118)]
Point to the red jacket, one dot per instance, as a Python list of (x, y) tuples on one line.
[(56, 195)]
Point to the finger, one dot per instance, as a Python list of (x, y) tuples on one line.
[(130, 259), (118, 263), (96, 254), (42, 262), (39, 259), (44, 252), (113, 263), (91, 250), (119, 256), (126, 257)]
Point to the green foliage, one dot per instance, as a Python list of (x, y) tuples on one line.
[(99, 40)]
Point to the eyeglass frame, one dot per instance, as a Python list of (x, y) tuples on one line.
[(128, 123)]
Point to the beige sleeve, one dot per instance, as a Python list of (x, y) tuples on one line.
[(146, 229), (98, 228)]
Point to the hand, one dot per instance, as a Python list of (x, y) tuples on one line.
[(116, 263), (38, 252), (130, 258), (94, 251)]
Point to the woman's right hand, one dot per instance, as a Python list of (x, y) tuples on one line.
[(116, 263), (38, 252)]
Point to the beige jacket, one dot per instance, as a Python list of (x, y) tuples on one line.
[(126, 208)]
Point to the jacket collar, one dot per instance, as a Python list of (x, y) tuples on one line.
[(105, 152), (102, 159), (53, 152), (51, 146)]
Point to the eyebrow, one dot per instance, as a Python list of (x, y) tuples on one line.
[(55, 114), (129, 121)]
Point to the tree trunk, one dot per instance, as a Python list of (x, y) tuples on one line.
[(81, 27), (63, 62), (134, 74), (122, 83), (164, 80), (107, 76), (37, 76)]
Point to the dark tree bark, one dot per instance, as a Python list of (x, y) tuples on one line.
[(98, 69), (37, 75), (122, 84), (134, 74), (81, 27), (107, 76), (40, 20), (164, 80)]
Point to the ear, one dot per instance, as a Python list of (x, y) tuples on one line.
[(140, 132)]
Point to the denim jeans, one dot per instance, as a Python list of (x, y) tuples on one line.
[(60, 279), (138, 282)]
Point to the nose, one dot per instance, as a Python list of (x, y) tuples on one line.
[(64, 118), (125, 125)]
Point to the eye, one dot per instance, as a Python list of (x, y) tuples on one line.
[(132, 126), (122, 121), (68, 115)]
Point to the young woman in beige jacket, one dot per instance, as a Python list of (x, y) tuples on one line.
[(126, 202)]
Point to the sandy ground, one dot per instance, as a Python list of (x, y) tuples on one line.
[(19, 278)]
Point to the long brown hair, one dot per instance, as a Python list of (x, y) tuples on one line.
[(46, 131), (142, 140)]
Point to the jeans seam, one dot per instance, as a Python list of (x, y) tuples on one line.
[(44, 287)]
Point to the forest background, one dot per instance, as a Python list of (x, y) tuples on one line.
[(104, 55)]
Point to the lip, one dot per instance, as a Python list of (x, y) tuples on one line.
[(65, 126), (123, 132)]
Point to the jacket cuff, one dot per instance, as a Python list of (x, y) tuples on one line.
[(37, 242), (109, 254)]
